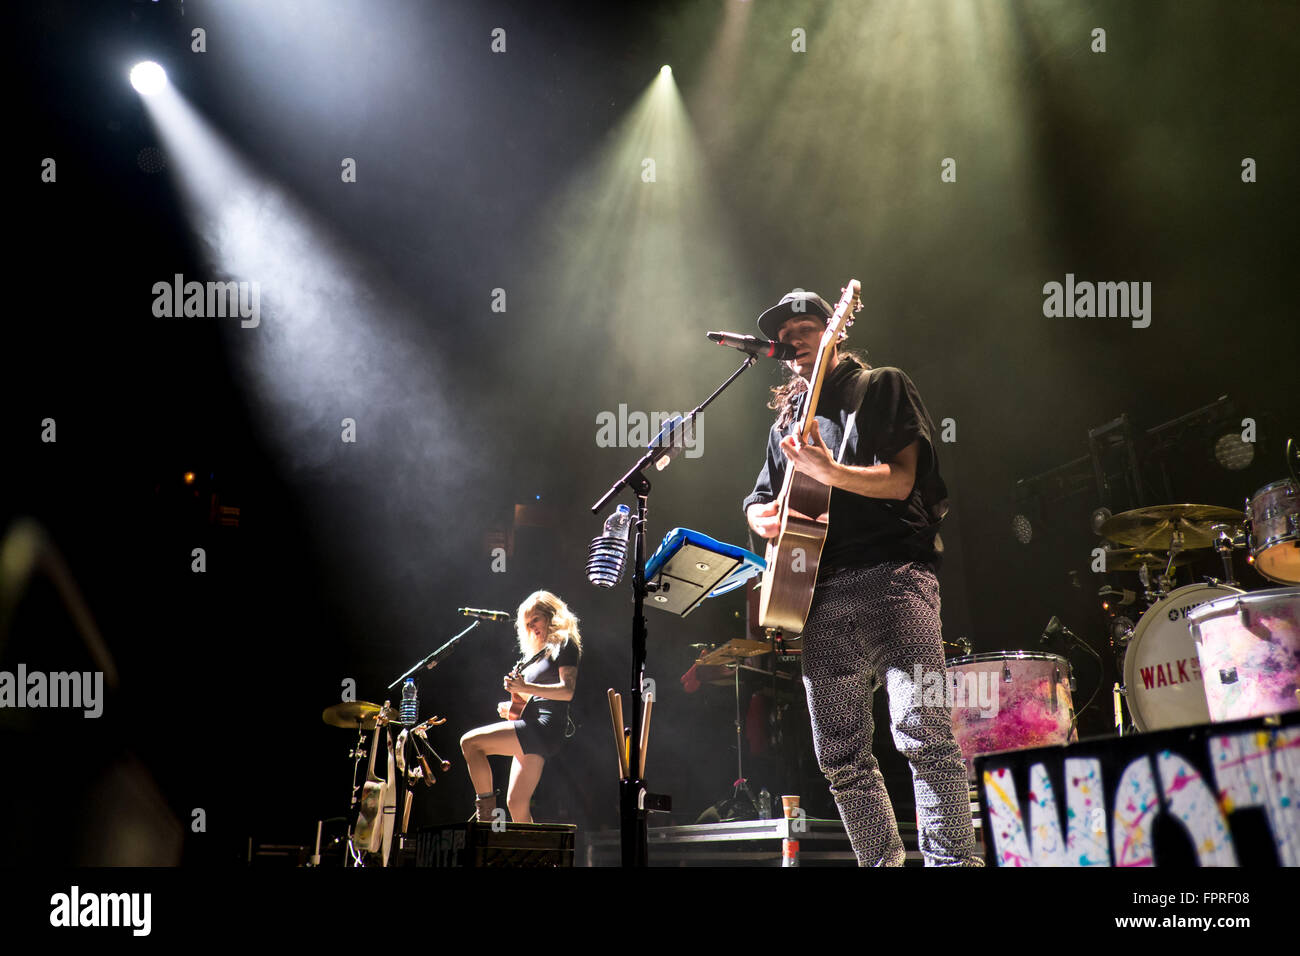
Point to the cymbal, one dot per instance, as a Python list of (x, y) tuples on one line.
[(1152, 528), (734, 650), (356, 714), (1130, 559)]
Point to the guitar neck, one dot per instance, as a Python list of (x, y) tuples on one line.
[(524, 665), (374, 747), (804, 502), (814, 394), (518, 702)]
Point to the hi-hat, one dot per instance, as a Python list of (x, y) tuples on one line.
[(1130, 559)]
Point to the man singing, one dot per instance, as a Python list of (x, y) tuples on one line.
[(875, 610)]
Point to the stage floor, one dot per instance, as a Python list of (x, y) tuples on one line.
[(742, 843)]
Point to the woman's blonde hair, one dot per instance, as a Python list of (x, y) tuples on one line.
[(563, 623)]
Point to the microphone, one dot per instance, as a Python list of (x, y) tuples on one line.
[(755, 346), (483, 615), (1053, 628)]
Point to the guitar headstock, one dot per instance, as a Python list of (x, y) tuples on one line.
[(853, 291), (836, 331), (850, 303), (841, 320)]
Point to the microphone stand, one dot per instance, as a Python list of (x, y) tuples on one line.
[(431, 661), (436, 658), (634, 799), (1056, 629)]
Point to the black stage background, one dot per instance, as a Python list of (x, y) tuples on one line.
[(523, 171)]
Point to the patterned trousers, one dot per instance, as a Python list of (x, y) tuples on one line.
[(869, 626)]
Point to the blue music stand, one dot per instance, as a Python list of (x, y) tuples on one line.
[(689, 566)]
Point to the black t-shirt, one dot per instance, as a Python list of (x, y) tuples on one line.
[(547, 671), (865, 531)]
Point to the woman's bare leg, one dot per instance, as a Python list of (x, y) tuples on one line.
[(525, 771), (484, 742)]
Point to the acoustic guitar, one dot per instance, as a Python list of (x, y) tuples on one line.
[(794, 554), (518, 702), (378, 797)]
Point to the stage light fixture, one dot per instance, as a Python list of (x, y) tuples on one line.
[(1022, 529), (1232, 453), (148, 78)]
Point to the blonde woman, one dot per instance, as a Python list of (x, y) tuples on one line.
[(545, 626)]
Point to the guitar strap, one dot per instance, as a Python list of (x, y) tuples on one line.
[(934, 493), (855, 402), (859, 392)]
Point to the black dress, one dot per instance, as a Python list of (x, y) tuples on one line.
[(541, 726)]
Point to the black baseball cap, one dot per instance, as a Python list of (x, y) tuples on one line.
[(796, 304)]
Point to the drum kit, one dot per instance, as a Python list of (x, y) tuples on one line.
[(1199, 653)]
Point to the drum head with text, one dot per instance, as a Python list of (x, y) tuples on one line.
[(1162, 673)]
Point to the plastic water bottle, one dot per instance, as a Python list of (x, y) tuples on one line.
[(609, 551), (764, 804), (410, 703)]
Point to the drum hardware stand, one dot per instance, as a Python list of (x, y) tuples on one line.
[(1120, 635), (742, 785), (358, 754), (1123, 728), (1159, 588), (1154, 589), (962, 644), (1176, 543), (1224, 544)]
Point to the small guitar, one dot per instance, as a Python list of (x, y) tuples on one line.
[(518, 702), (376, 795), (805, 502)]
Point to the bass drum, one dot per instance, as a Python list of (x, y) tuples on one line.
[(1162, 673)]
